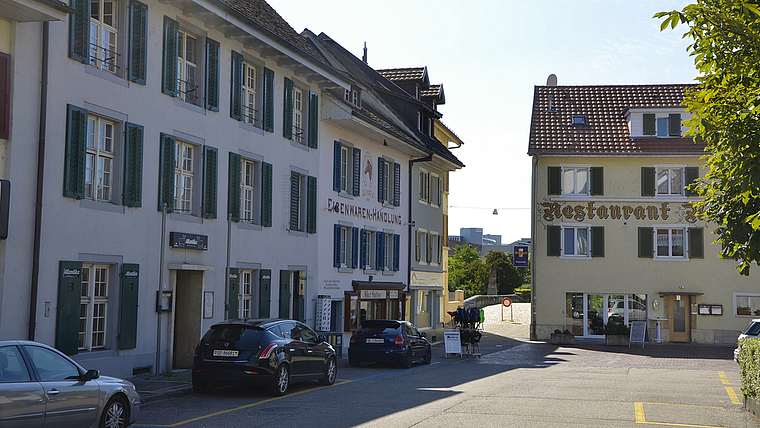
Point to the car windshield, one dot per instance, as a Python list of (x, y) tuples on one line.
[(243, 337), (753, 329), (379, 327)]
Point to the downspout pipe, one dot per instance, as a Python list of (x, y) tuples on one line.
[(534, 195), (42, 134), (410, 222)]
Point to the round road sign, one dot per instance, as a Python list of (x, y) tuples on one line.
[(506, 302)]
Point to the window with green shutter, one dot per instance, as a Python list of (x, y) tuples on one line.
[(674, 127), (232, 293), (265, 293), (233, 187), (692, 176), (597, 181), (554, 180), (166, 173), (313, 119), (268, 97), (130, 290), (311, 204), (649, 124), (295, 200), (138, 41), (236, 86), (597, 241), (553, 241), (266, 194), (696, 243), (210, 180), (212, 75), (79, 31), (287, 110), (68, 308), (646, 242), (133, 155), (647, 181), (76, 144), (170, 57)]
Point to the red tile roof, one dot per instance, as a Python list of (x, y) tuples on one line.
[(404, 74), (606, 130)]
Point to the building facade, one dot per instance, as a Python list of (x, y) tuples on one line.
[(615, 234)]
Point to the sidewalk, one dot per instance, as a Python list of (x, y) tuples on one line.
[(152, 390)]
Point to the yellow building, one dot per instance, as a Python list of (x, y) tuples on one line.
[(615, 235)]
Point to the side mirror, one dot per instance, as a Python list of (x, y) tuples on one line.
[(91, 375), (321, 338), (423, 334)]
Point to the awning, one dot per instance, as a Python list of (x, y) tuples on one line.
[(682, 293), (377, 285)]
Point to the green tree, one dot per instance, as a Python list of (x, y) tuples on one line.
[(726, 109), (467, 271), (507, 276)]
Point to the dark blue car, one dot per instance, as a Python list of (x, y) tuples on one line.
[(389, 341)]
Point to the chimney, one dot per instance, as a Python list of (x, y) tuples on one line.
[(552, 80), (364, 58)]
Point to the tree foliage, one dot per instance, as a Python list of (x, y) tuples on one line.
[(469, 272), (507, 276), (726, 116)]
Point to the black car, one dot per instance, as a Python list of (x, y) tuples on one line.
[(266, 352), (389, 341)]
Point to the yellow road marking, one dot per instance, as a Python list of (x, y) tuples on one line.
[(641, 417), (734, 396), (723, 378), (176, 424)]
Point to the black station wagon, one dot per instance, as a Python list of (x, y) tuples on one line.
[(266, 352)]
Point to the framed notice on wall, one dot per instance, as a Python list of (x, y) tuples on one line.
[(208, 304)]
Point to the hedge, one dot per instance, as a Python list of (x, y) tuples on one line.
[(749, 366)]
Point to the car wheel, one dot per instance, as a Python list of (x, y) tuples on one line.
[(331, 370), (115, 414), (201, 387), (353, 362), (279, 385), (428, 357), (407, 361)]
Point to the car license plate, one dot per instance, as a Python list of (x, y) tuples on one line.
[(225, 353), (374, 340)]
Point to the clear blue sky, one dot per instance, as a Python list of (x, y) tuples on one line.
[(489, 54)]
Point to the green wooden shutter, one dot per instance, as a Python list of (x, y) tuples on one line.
[(647, 181), (554, 180), (311, 204), (674, 125), (380, 179), (133, 155), (597, 181), (337, 147), (170, 54), (266, 194), (295, 200), (267, 120), (313, 119), (236, 87), (692, 175), (265, 293), (649, 124), (646, 242), (696, 243), (5, 92), (553, 241), (336, 247), (234, 289), (233, 187), (357, 171), (284, 294), (396, 184), (130, 289), (212, 75), (210, 181), (166, 173), (597, 241), (363, 249), (67, 311), (287, 110), (138, 41), (79, 31), (397, 251), (354, 247), (76, 147)]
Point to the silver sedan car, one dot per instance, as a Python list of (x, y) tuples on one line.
[(42, 387)]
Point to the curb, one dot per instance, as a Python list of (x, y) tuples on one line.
[(147, 400)]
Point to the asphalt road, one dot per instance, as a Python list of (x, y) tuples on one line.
[(514, 383)]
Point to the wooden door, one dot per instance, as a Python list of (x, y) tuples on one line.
[(679, 316)]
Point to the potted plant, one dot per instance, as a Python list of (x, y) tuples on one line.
[(563, 337), (743, 310), (616, 334)]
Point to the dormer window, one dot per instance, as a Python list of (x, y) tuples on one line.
[(662, 126), (351, 96), (579, 120)]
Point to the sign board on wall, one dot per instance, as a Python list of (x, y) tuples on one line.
[(372, 294), (521, 256), (324, 312), (188, 241)]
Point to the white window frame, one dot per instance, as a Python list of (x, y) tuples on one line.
[(184, 176), (370, 249), (189, 86), (250, 191), (93, 309), (299, 132), (671, 240), (753, 296), (424, 186), (250, 99), (104, 37), (100, 158), (670, 171), (573, 252), (570, 174), (246, 294), (387, 177), (346, 164), (421, 246), (346, 243), (388, 252)]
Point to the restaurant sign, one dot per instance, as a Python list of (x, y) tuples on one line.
[(590, 210)]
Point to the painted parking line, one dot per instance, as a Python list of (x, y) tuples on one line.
[(176, 424), (641, 417), (730, 390)]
